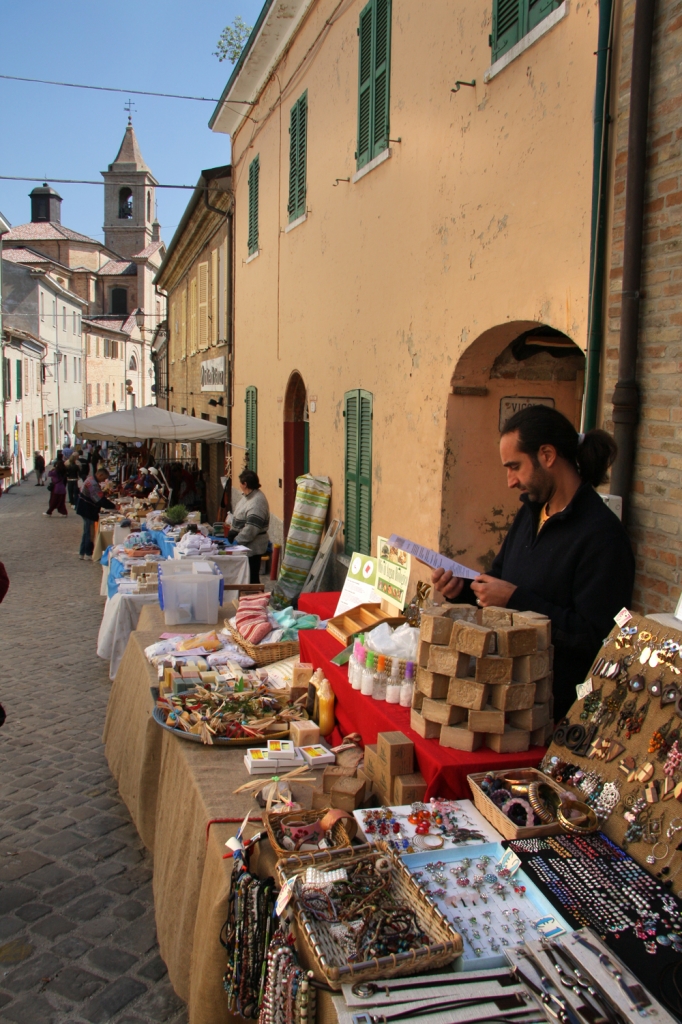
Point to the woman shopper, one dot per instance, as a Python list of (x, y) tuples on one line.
[(90, 500), (72, 466), (39, 466), (57, 487), (250, 522)]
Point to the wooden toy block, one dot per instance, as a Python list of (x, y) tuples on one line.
[(510, 741), (530, 718), (515, 641), (432, 684), (488, 720), (466, 693), (513, 697), (447, 661), (441, 711), (531, 667), (458, 737), (493, 669), (427, 730)]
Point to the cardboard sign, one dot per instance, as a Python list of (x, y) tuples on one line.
[(393, 572)]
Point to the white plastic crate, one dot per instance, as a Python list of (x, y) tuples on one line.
[(190, 592)]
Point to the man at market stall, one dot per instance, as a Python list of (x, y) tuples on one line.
[(566, 554)]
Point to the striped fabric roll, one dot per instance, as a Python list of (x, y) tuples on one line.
[(303, 540)]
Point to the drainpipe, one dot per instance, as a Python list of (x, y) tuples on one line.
[(595, 329), (626, 395)]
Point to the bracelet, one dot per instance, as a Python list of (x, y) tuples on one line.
[(517, 801), (539, 805), (573, 827)]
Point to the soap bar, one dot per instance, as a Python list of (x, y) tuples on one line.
[(303, 673), (422, 726), (435, 628), (510, 741), (332, 774), (409, 788), (466, 693), (459, 737), (515, 641), (448, 662), (348, 794), (303, 733), (432, 684), (441, 711)]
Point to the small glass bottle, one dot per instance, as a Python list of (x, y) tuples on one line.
[(393, 686), (408, 686), (379, 689), (368, 675), (353, 661), (359, 668)]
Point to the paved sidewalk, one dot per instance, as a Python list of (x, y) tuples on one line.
[(77, 935)]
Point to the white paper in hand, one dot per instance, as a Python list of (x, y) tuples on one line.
[(433, 558)]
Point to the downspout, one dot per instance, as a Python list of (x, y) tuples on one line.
[(595, 328), (626, 395)]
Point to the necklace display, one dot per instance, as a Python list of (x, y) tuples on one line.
[(289, 996), (246, 937), (594, 882)]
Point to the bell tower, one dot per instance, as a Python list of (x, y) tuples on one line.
[(129, 199)]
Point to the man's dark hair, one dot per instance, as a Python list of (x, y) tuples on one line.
[(539, 424), (250, 479)]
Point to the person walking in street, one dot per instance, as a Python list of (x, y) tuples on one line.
[(72, 466), (39, 467), (57, 487), (250, 522), (90, 500)]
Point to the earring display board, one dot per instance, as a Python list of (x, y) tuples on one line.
[(619, 748)]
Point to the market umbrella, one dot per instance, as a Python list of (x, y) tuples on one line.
[(149, 423)]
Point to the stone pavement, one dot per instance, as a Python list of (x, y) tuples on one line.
[(77, 935)]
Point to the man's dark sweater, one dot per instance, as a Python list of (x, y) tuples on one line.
[(579, 570)]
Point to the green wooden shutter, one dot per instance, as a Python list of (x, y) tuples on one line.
[(358, 471), (251, 401), (365, 85), (374, 76), (19, 391), (298, 137), (254, 174), (381, 75), (513, 19)]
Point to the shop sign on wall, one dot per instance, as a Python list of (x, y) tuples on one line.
[(213, 374), (514, 403)]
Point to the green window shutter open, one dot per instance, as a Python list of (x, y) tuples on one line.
[(19, 392), (254, 175), (513, 19), (358, 471), (374, 76), (251, 401), (298, 140)]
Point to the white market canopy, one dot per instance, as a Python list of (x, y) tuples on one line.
[(149, 423)]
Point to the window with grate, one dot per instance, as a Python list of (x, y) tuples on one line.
[(254, 181), (374, 75), (202, 285), (251, 400), (358, 471), (513, 19), (298, 144)]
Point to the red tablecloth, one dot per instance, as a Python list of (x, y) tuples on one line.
[(445, 770)]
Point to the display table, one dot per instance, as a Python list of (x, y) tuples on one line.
[(103, 540), (445, 770), (120, 618), (173, 789)]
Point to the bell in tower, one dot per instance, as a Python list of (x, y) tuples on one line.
[(129, 199)]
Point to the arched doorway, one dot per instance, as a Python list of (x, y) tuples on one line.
[(507, 367), (296, 442)]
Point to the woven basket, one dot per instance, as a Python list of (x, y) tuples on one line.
[(263, 654), (328, 959), (500, 821), (340, 837)]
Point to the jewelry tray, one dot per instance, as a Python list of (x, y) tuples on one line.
[(470, 817), (532, 898)]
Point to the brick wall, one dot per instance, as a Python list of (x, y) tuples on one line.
[(656, 523)]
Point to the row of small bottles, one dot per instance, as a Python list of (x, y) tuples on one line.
[(367, 673)]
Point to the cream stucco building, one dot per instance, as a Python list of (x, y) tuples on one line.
[(412, 251)]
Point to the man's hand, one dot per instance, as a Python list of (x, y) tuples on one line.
[(446, 584), (491, 591)]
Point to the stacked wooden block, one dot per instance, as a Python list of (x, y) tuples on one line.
[(389, 770), (484, 677)]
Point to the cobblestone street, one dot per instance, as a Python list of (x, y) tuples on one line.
[(77, 935)]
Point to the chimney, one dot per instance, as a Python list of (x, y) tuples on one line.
[(156, 231)]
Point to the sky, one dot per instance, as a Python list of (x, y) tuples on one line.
[(52, 132)]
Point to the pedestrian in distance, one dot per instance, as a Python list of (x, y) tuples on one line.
[(72, 466), (90, 501), (57, 487), (39, 467)]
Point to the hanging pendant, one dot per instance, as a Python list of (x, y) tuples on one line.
[(645, 655), (654, 660)]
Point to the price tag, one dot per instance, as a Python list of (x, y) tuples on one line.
[(285, 894), (622, 618), (548, 927), (582, 689)]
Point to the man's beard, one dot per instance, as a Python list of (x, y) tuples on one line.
[(539, 488)]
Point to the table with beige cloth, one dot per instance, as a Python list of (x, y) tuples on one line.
[(119, 619), (173, 789), (103, 540)]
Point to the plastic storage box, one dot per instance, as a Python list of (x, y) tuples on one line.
[(190, 591)]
